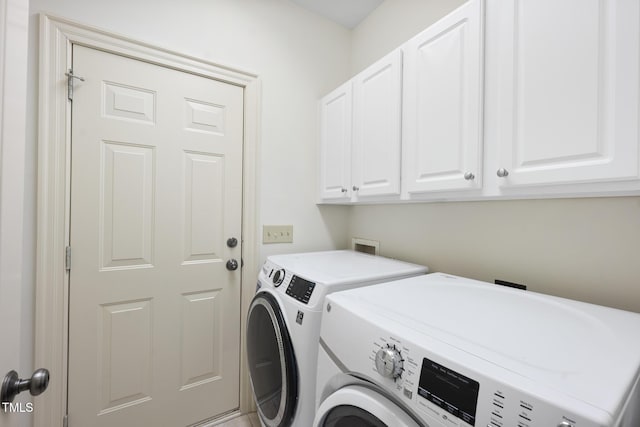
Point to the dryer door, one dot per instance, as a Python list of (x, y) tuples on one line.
[(272, 363), (357, 406)]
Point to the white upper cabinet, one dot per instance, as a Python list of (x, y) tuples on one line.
[(442, 117), (377, 110), (498, 99), (360, 135), (335, 144), (566, 109)]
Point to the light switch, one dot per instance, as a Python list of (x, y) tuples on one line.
[(277, 234)]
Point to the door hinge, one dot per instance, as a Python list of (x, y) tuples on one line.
[(65, 420), (67, 258), (70, 77)]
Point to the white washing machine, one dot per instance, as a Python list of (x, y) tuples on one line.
[(439, 350), (283, 326)]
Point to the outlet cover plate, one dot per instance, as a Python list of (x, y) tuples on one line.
[(277, 234)]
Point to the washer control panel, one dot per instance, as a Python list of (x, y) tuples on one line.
[(389, 362), (300, 289), (442, 393), (448, 394), (277, 277), (449, 390)]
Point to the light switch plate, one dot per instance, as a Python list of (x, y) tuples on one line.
[(277, 234)]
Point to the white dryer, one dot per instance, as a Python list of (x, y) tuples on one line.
[(283, 325), (444, 351)]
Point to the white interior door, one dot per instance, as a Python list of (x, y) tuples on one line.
[(156, 191), (13, 95)]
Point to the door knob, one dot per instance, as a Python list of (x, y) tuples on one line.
[(232, 264), (12, 385), (232, 242), (502, 172)]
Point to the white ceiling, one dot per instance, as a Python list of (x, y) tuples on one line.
[(348, 13)]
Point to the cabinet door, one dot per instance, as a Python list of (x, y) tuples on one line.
[(567, 109), (377, 108), (443, 104), (335, 144)]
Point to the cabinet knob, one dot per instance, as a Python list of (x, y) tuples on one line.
[(502, 172), (354, 188), (469, 176), (344, 190)]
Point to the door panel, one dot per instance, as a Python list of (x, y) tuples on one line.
[(204, 198), (154, 335), (126, 205), (201, 353), (125, 353)]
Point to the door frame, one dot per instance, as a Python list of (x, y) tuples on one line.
[(57, 36)]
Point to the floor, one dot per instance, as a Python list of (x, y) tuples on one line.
[(250, 420)]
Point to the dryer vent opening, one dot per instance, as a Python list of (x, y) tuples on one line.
[(371, 247)]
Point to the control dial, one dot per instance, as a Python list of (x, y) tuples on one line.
[(278, 277), (389, 362)]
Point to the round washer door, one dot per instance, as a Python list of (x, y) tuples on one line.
[(272, 363), (357, 406)]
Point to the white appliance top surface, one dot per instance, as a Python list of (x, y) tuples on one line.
[(344, 267), (589, 352)]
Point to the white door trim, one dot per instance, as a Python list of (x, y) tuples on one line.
[(57, 36)]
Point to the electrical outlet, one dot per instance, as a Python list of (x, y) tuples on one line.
[(277, 234)]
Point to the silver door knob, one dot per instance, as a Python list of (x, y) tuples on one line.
[(232, 242), (502, 172), (12, 385), (344, 190), (469, 176), (232, 264), (354, 188)]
